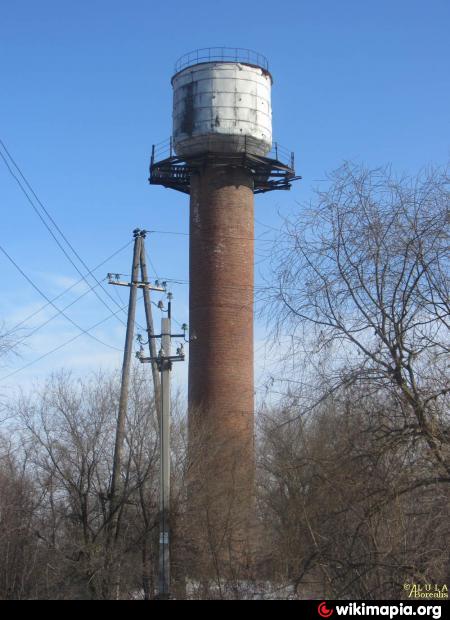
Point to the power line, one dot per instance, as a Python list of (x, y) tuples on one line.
[(168, 232), (30, 316), (63, 345), (183, 281), (149, 260), (36, 210), (227, 286), (185, 234), (73, 249), (277, 230), (39, 327), (52, 304)]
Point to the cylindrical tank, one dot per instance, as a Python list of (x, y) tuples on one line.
[(222, 107)]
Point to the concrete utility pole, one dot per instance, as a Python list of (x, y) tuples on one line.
[(164, 362), (150, 330), (124, 386), (164, 549)]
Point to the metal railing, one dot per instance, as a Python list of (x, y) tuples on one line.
[(165, 149), (282, 154), (224, 54)]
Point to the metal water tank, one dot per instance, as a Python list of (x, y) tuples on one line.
[(222, 103)]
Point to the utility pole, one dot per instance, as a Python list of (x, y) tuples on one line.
[(150, 330), (164, 530), (114, 493), (124, 386), (164, 362)]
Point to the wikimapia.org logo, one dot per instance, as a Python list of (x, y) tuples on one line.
[(361, 609), (324, 611)]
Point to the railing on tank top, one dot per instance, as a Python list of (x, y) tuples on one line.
[(165, 149), (221, 54)]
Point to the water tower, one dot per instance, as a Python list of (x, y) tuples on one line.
[(221, 153)]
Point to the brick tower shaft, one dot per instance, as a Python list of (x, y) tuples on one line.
[(221, 398)]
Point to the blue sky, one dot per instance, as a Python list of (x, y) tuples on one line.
[(85, 91)]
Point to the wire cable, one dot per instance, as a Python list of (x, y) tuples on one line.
[(33, 314), (186, 234), (181, 281), (149, 260), (39, 327), (62, 345), (13, 262), (36, 210)]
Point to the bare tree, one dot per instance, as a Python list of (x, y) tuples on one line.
[(70, 431), (354, 466), (22, 555), (9, 345), (347, 513), (363, 275)]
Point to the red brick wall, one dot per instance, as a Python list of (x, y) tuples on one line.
[(221, 387)]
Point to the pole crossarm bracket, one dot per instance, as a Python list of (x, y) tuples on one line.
[(169, 358), (146, 285), (171, 335)]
